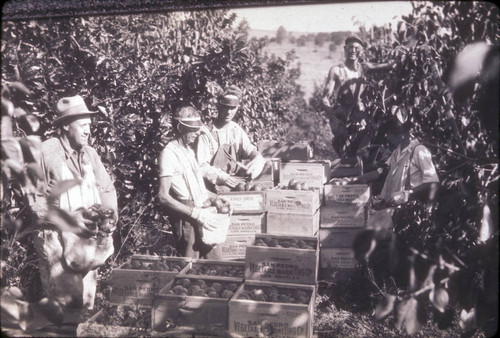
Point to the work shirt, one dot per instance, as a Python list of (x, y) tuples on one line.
[(61, 162), (232, 135), (420, 168), (348, 85), (178, 161)]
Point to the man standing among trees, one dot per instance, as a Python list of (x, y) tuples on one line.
[(68, 262), (182, 188), (226, 144), (346, 83)]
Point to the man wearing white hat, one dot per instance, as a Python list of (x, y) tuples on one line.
[(182, 188), (68, 263), (226, 144)]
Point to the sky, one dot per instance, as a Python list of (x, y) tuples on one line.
[(323, 17)]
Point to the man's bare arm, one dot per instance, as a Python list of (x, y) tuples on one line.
[(329, 86), (168, 201)]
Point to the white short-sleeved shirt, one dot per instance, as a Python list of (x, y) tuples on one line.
[(178, 162), (209, 142), (421, 169)]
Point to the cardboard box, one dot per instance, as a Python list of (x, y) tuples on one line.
[(247, 224), (235, 246), (338, 237), (285, 264), (292, 224), (337, 258), (202, 268), (305, 202), (207, 315), (314, 173), (139, 286), (353, 217), (346, 196), (285, 150), (97, 326), (251, 318), (247, 202)]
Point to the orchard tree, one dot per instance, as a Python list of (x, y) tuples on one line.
[(281, 35)]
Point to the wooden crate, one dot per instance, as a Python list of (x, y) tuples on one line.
[(96, 326), (292, 224), (337, 258), (352, 217), (338, 237), (305, 202), (244, 224), (280, 264), (251, 318), (204, 314), (315, 173), (213, 268), (346, 196), (247, 202), (235, 246), (138, 286)]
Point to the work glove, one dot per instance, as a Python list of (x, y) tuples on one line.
[(255, 166), (205, 217)]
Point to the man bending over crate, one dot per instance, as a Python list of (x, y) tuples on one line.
[(226, 143)]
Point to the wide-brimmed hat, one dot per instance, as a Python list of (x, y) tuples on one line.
[(189, 117), (70, 108), (353, 38), (230, 97)]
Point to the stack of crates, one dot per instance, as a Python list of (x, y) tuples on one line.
[(278, 295), (343, 217), (248, 219)]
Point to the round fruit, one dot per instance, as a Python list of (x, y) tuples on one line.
[(227, 294), (257, 187), (240, 187), (247, 186), (296, 186), (224, 210), (292, 182)]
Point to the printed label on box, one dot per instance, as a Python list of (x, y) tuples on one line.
[(246, 202), (247, 224), (337, 258), (347, 217), (353, 195)]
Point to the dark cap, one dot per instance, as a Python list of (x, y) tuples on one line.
[(353, 38)]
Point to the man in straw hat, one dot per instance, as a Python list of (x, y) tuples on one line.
[(344, 85), (226, 144), (182, 188), (68, 262)]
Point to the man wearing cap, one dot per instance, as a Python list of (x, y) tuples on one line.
[(182, 188), (410, 172), (226, 143), (68, 262), (345, 84)]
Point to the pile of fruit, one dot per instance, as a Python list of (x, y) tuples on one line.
[(293, 184), (102, 218), (159, 265), (218, 203), (275, 242), (217, 270), (203, 288), (274, 294), (248, 186), (121, 315)]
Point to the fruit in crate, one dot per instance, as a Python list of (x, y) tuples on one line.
[(274, 242), (157, 265), (122, 315), (248, 186), (294, 184), (217, 270), (202, 288), (275, 294)]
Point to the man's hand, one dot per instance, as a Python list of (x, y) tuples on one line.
[(326, 102), (255, 167), (400, 197), (79, 215), (229, 181)]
